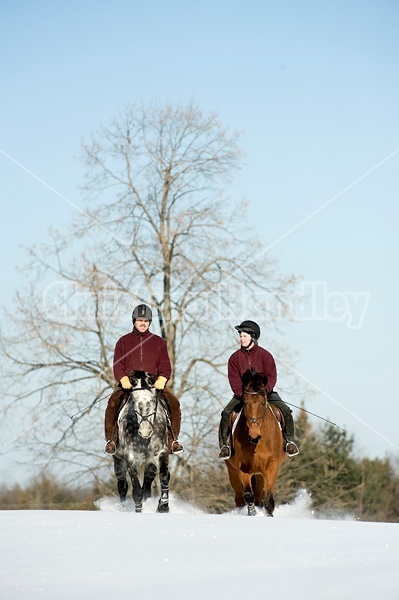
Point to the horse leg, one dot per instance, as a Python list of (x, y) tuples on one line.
[(236, 484), (120, 473), (164, 478), (257, 482), (137, 490), (269, 485), (241, 484), (149, 476), (269, 503), (248, 494)]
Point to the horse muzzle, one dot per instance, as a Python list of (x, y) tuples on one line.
[(145, 429), (254, 440)]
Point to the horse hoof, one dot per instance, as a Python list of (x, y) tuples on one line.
[(251, 511), (163, 508)]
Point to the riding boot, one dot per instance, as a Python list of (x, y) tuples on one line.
[(173, 408), (224, 427), (111, 413), (289, 428)]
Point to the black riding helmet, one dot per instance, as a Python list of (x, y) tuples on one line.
[(142, 311), (249, 327)]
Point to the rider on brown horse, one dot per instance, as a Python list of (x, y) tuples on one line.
[(253, 356), (141, 350)]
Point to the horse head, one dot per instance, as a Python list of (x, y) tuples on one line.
[(254, 394), (144, 398)]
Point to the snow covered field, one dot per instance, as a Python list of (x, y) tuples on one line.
[(186, 554)]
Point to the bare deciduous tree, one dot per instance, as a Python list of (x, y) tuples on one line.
[(156, 229)]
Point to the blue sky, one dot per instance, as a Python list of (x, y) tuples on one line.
[(312, 86)]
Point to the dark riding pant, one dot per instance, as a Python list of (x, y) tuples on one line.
[(173, 408), (235, 404), (289, 428), (111, 412)]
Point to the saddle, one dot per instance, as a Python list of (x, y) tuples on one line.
[(279, 416), (275, 410)]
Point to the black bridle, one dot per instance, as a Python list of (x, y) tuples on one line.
[(138, 413), (264, 405)]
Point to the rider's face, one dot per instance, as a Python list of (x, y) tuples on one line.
[(142, 325), (245, 339)]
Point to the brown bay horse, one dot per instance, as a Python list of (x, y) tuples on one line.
[(257, 448)]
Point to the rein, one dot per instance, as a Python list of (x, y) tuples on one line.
[(149, 387)]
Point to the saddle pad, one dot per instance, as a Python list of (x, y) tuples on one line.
[(277, 414), (235, 421)]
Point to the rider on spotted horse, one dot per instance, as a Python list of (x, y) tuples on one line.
[(142, 350), (252, 356)]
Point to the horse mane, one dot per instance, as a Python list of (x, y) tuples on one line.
[(255, 380), (145, 379)]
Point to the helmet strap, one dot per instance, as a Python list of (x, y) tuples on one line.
[(251, 343)]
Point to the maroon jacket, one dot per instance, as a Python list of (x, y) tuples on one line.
[(141, 352), (256, 358)]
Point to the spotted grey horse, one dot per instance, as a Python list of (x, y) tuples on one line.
[(142, 446)]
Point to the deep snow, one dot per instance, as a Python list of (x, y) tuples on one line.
[(186, 554)]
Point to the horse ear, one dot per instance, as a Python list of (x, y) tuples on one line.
[(265, 380), (151, 379), (133, 378)]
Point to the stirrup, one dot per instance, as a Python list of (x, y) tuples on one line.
[(294, 447), (111, 449), (225, 452), (179, 447)]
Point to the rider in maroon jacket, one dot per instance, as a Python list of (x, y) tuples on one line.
[(141, 350), (253, 356)]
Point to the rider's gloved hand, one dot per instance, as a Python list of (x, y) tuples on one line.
[(160, 383), (125, 383)]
